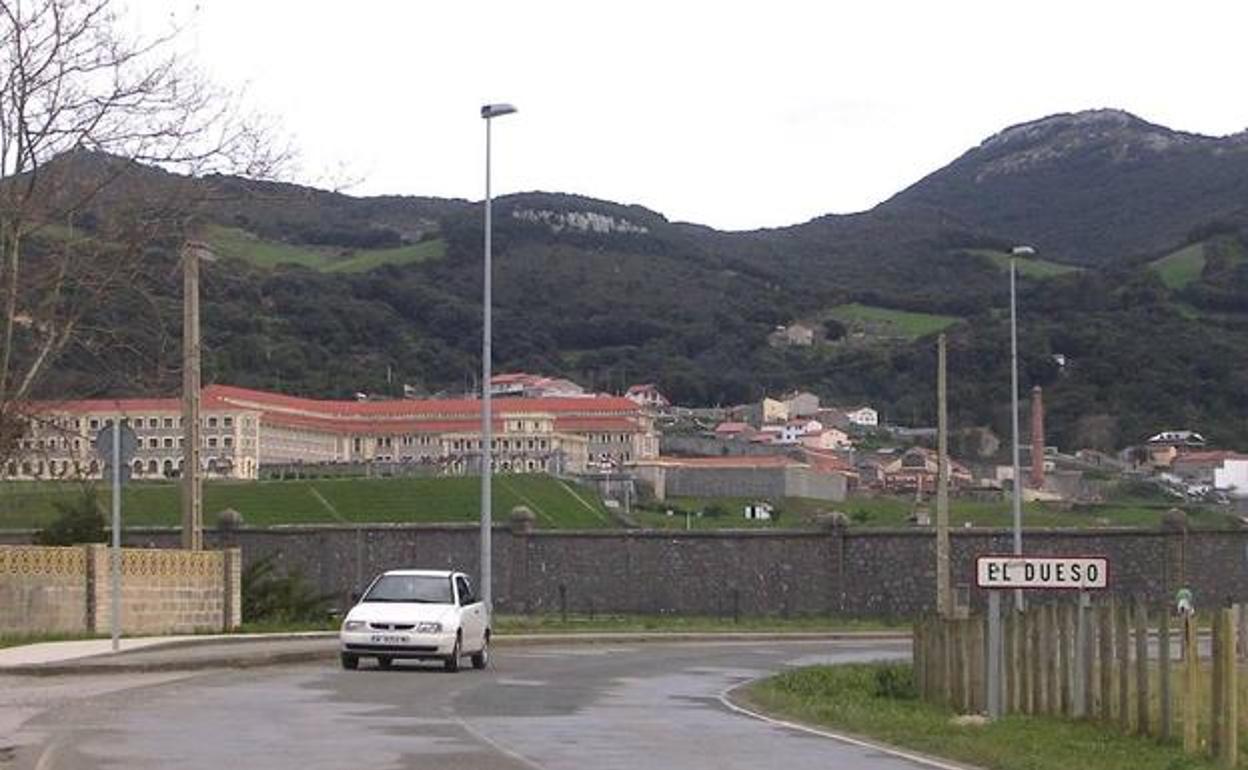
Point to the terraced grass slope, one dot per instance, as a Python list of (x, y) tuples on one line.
[(238, 243), (557, 504), (886, 322), (1186, 265)]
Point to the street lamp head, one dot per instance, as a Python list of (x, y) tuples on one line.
[(496, 110), (1023, 251), (199, 250)]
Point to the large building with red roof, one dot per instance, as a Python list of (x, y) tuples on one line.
[(245, 430)]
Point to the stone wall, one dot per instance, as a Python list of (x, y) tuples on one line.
[(876, 573), (162, 591)]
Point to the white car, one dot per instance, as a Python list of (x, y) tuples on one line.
[(417, 614)]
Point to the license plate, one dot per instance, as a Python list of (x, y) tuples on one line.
[(389, 639)]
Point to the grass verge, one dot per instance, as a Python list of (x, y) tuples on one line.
[(875, 701)]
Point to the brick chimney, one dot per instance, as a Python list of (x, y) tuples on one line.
[(1037, 438)]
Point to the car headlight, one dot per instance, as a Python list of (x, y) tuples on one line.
[(355, 625), (429, 628)]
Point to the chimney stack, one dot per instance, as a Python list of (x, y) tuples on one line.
[(1037, 438)]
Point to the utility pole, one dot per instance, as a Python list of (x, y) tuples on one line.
[(944, 596), (192, 486)]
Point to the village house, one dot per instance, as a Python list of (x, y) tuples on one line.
[(647, 396), (522, 385), (918, 469)]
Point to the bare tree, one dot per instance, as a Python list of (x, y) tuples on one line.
[(82, 107)]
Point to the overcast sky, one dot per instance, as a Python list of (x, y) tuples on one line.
[(735, 115)]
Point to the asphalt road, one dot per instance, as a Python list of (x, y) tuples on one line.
[(579, 706)]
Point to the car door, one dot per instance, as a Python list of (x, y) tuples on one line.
[(472, 615)]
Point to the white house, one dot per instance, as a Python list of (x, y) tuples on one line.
[(863, 416), (1232, 477), (647, 396)]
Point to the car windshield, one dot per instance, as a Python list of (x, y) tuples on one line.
[(427, 589)]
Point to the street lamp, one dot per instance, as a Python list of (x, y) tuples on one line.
[(1017, 251), (488, 113)]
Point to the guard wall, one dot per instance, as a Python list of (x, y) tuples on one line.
[(876, 573), (163, 591)]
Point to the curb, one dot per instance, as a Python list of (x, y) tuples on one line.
[(118, 664), (726, 699)]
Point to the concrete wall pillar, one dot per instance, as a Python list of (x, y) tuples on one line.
[(232, 589)]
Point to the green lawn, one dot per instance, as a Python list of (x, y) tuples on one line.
[(557, 504), (886, 322), (894, 511), (852, 699), (1029, 268), (234, 242)]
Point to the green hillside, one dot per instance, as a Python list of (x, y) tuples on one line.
[(241, 244), (886, 322), (557, 504), (1187, 265), (1029, 268)]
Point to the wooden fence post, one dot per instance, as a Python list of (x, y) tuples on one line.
[(1165, 716), (1141, 667), (1036, 659), (1065, 623), (1229, 754), (1106, 641), (1216, 702), (1122, 637), (1009, 660), (1191, 685), (1053, 661), (977, 666), (916, 656)]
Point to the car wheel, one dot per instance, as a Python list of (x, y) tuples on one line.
[(452, 662), (481, 659), (350, 662), (385, 661)]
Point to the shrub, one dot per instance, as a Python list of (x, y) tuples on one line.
[(279, 598), (80, 520)]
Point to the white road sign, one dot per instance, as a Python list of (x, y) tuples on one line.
[(1078, 573)]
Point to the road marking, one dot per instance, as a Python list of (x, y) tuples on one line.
[(860, 743), (501, 749)]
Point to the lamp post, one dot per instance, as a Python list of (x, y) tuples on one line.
[(488, 113), (1015, 253), (192, 484)]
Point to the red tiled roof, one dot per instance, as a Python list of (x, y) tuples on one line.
[(738, 461), (591, 405)]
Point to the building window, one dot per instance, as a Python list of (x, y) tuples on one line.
[(138, 467), (212, 422), (228, 422), (212, 441), (168, 442), (153, 467), (168, 422), (95, 424), (152, 422), (228, 441), (153, 442)]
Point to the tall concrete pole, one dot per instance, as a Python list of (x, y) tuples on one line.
[(944, 595), (488, 112), (487, 417), (1017, 483), (192, 486)]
